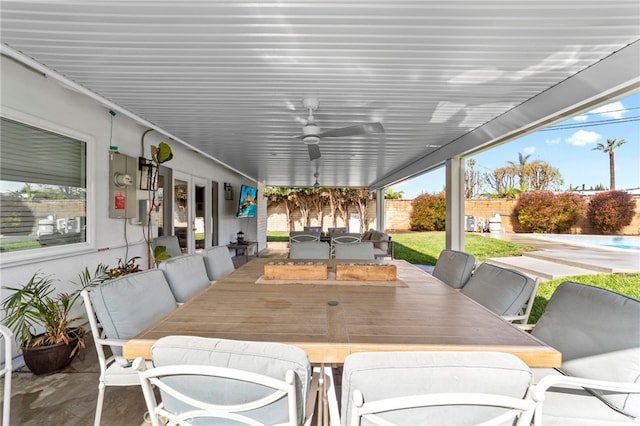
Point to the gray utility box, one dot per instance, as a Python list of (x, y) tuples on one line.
[(123, 184)]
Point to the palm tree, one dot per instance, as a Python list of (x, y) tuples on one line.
[(520, 170), (609, 147)]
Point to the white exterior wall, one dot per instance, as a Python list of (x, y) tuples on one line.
[(43, 102)]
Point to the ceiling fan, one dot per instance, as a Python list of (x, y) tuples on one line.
[(311, 133)]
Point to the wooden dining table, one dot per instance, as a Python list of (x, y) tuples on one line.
[(332, 319)]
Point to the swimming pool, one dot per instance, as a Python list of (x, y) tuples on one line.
[(606, 241)]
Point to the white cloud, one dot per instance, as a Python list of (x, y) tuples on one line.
[(583, 137), (529, 150), (580, 117), (614, 110), (554, 141)]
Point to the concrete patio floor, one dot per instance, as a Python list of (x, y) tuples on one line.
[(69, 397)]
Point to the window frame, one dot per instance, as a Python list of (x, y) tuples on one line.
[(16, 258)]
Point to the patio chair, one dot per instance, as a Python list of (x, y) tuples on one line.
[(218, 262), (118, 310), (598, 383), (313, 229), (344, 238), (301, 236), (454, 268), (170, 242), (222, 380), (186, 275), (335, 231), (6, 371), (506, 292), (361, 250), (435, 388), (310, 250)]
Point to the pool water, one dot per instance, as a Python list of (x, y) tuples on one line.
[(607, 241)]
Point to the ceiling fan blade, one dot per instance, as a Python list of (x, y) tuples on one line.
[(360, 129), (314, 152)]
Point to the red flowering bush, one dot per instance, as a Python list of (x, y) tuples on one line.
[(547, 212), (429, 212), (610, 211)]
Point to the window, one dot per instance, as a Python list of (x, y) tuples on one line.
[(42, 188)]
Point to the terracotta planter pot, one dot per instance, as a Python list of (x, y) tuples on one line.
[(51, 358)]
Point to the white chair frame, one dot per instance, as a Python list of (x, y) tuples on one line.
[(152, 376), (538, 390), (6, 372), (346, 238), (111, 373), (523, 316), (522, 408), (299, 237)]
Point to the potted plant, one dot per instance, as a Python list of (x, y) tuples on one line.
[(33, 305)]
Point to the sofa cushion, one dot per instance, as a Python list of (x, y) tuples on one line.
[(380, 240), (267, 358), (597, 332)]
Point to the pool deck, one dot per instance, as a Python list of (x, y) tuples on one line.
[(557, 259)]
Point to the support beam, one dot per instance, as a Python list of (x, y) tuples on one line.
[(380, 209), (455, 203)]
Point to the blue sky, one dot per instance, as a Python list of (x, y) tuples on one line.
[(567, 145)]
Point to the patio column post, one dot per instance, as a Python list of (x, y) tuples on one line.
[(380, 209), (454, 227)]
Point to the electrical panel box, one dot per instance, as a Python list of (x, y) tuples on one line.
[(123, 177)]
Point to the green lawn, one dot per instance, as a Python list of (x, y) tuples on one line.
[(424, 247)]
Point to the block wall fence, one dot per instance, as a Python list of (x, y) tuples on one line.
[(398, 214)]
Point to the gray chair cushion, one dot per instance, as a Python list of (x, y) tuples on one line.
[(170, 242), (362, 250), (454, 267), (186, 275), (269, 359), (597, 332), (309, 250), (127, 305), (380, 375), (502, 290), (218, 262)]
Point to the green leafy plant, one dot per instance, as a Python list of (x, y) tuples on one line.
[(123, 268), (429, 212), (547, 212), (35, 304), (159, 154), (160, 253), (609, 212)]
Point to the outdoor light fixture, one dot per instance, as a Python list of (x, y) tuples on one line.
[(228, 191)]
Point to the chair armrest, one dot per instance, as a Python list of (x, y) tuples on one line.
[(537, 391), (111, 342), (512, 318), (558, 380)]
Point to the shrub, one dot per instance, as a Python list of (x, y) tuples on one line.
[(547, 212), (610, 211), (429, 212)]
